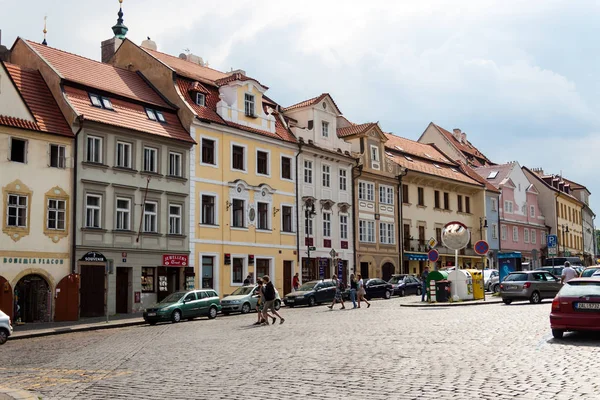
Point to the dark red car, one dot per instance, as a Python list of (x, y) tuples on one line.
[(576, 307)]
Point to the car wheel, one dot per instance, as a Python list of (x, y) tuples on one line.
[(387, 294), (557, 333), (176, 316), (246, 308), (277, 305), (311, 301), (535, 298), (495, 288), (419, 291), (212, 313), (507, 301), (402, 292), (3, 336)]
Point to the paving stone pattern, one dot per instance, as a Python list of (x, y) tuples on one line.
[(385, 352)]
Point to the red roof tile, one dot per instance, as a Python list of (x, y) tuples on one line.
[(98, 75), (236, 77), (40, 101), (187, 68), (466, 148), (425, 151), (127, 115), (428, 167), (311, 102), (18, 123), (355, 129), (474, 175), (501, 173)]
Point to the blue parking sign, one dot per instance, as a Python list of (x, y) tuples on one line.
[(552, 241)]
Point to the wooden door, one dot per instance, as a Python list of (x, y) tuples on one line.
[(92, 290), (387, 271), (364, 270), (122, 306), (67, 299), (6, 298), (287, 277)]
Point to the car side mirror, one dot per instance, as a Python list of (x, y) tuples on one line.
[(184, 301)]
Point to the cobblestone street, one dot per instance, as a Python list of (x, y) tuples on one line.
[(385, 352)]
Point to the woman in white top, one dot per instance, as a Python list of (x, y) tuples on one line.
[(361, 291)]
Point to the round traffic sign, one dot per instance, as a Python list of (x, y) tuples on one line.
[(482, 247), (433, 255)]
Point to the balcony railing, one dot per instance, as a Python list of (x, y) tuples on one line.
[(421, 246)]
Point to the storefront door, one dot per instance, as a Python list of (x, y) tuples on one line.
[(208, 265), (92, 290), (122, 290), (32, 296), (287, 276), (168, 281)]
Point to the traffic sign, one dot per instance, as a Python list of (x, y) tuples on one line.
[(552, 251), (482, 247), (552, 241), (332, 253), (433, 255), (432, 242)]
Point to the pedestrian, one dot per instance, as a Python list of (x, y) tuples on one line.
[(269, 293), (260, 303), (361, 291), (338, 293), (568, 273), (353, 287), (424, 276), (248, 280), (295, 283)]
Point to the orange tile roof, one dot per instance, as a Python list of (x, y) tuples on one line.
[(98, 75), (236, 77), (127, 115), (18, 123), (311, 102), (428, 167), (425, 151), (41, 103), (466, 148), (474, 175), (355, 129), (186, 68)]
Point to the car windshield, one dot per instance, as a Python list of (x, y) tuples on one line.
[(589, 272), (173, 297), (396, 279), (243, 291), (578, 289), (516, 277), (308, 286)]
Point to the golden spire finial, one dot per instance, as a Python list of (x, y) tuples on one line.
[(45, 30), (120, 1)]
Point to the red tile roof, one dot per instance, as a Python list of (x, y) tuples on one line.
[(428, 167), (474, 175), (425, 151), (470, 151), (98, 75), (502, 172), (311, 102), (236, 77), (127, 115), (19, 123), (186, 68), (41, 103), (355, 129)]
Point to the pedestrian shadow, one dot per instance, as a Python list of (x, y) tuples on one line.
[(578, 339)]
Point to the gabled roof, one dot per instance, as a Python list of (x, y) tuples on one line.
[(470, 152), (495, 174), (312, 102), (39, 100), (544, 183), (355, 129), (237, 77), (186, 68), (97, 75), (474, 175), (425, 151)]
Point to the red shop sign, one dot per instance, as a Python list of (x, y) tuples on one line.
[(175, 260)]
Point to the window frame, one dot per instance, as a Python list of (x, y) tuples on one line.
[(447, 201), (203, 97), (388, 194), (244, 274), (123, 144), (494, 231), (386, 233), (119, 210), (494, 205), (18, 207), (154, 214), (57, 211), (325, 129), (291, 223), (281, 158), (61, 160), (326, 224), (150, 149), (249, 105), (366, 191), (420, 196), (525, 235), (267, 153), (215, 207), (215, 152), (151, 114), (533, 236), (100, 141), (179, 155), (144, 274), (98, 209), (244, 157), (326, 175), (343, 226), (459, 203), (515, 234), (308, 169), (532, 211), (468, 204), (267, 210), (175, 217), (343, 179), (503, 232), (243, 211), (368, 233)]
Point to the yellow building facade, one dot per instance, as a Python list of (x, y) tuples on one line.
[(569, 225)]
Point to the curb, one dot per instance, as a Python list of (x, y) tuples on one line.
[(459, 304), (18, 394), (60, 331)]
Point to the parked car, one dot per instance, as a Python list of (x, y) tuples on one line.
[(529, 285), (405, 284), (494, 284), (184, 305), (589, 271), (488, 274), (576, 307), (244, 300), (6, 328), (378, 288), (311, 293), (560, 261)]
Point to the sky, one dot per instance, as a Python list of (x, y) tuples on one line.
[(519, 77)]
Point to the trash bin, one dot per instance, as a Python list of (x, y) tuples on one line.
[(478, 289), (435, 276), (442, 289), (462, 284)]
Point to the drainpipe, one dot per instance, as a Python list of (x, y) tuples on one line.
[(354, 213), (298, 208), (80, 119), (400, 231)]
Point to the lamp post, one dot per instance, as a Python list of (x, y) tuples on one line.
[(565, 229), (309, 213), (482, 224)]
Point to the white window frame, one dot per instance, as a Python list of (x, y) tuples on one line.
[(508, 206), (326, 175), (127, 148), (269, 224), (344, 226), (366, 191), (58, 211), (179, 164), (308, 169), (249, 105), (216, 209), (245, 147), (149, 150), (532, 211), (366, 230), (271, 267), (244, 269), (122, 213), (533, 236), (244, 214), (175, 218), (494, 205), (386, 194), (61, 161), (504, 232), (515, 234), (98, 142), (17, 207), (525, 235), (293, 214), (215, 151), (291, 178), (375, 159), (343, 179), (325, 129), (201, 103), (494, 231), (309, 227), (326, 224), (386, 233), (98, 210), (151, 215), (268, 153)]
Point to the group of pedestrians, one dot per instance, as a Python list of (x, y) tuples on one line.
[(266, 302), (357, 288)]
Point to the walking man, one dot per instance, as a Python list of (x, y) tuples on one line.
[(269, 292), (424, 276), (295, 283), (568, 273), (338, 293)]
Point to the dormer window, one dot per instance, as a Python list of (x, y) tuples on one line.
[(151, 114), (160, 116), (155, 115), (200, 99), (325, 129), (95, 100), (249, 105), (101, 102), (106, 103)]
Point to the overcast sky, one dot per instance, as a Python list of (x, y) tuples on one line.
[(519, 77)]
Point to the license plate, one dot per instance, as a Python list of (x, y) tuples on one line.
[(291, 300), (588, 306), (152, 314)]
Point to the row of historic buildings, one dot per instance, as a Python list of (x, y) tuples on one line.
[(131, 178)]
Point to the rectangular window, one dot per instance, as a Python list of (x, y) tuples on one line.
[(239, 212), (325, 129), (327, 224), (533, 236), (18, 150), (208, 151), (436, 199), (405, 197), (526, 235), (459, 203), (94, 149), (504, 232), (386, 194), (150, 159), (263, 216), (175, 164), (208, 210), (494, 205), (200, 99), (446, 201), (343, 181), (494, 231), (249, 105), (386, 233), (467, 204), (532, 211), (286, 168), (93, 204), (57, 156), (262, 267), (307, 171), (421, 196), (508, 206), (286, 219), (237, 271), (262, 162), (56, 214), (17, 211), (237, 154), (150, 114), (343, 227), (515, 234), (95, 100), (308, 228), (326, 176), (151, 217), (123, 155), (366, 191), (148, 279), (175, 219), (366, 231), (374, 153), (123, 214), (438, 236)]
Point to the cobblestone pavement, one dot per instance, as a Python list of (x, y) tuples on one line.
[(385, 352)]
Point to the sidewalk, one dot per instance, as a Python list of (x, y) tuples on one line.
[(10, 394), (32, 330), (489, 299)]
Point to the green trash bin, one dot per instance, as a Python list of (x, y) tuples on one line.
[(435, 276)]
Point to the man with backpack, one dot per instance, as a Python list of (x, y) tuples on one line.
[(269, 294)]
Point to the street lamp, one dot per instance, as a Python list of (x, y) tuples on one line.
[(309, 213), (565, 229)]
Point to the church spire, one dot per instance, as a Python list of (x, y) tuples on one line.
[(45, 43), (120, 30)]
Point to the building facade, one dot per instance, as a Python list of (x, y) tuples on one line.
[(36, 148), (324, 190), (587, 220)]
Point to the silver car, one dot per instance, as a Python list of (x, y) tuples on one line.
[(244, 300), (488, 274), (529, 285), (6, 328)]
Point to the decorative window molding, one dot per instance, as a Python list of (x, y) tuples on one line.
[(57, 219), (19, 189)]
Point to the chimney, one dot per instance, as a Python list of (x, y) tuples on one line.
[(4, 52), (463, 137), (149, 44), (456, 134), (192, 58)]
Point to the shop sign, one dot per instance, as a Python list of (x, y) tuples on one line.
[(175, 260), (31, 260), (93, 256)]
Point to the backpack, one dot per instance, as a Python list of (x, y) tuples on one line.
[(269, 292), (342, 286)]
